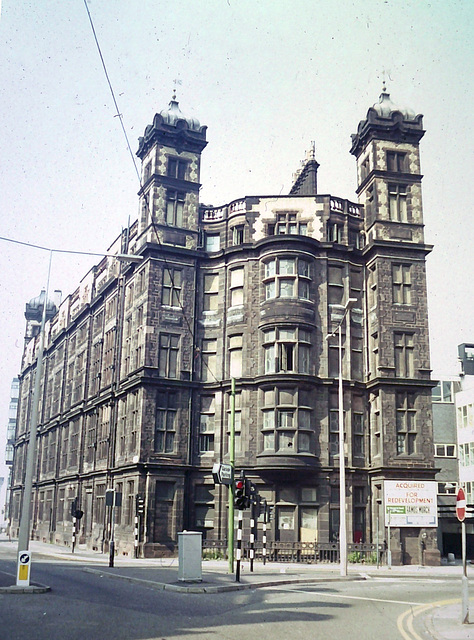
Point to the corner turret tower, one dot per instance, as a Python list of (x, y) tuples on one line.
[(34, 313), (386, 147), (170, 151)]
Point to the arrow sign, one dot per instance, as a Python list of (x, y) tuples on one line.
[(23, 569), (461, 505), (222, 473)]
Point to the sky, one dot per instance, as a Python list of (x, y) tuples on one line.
[(267, 77)]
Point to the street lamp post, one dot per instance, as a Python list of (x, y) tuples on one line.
[(24, 530), (342, 465), (25, 517)]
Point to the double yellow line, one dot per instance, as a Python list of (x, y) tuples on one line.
[(405, 620)]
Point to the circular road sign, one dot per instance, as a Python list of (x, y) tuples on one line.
[(461, 505)]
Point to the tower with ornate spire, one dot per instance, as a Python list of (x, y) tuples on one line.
[(170, 151), (386, 147)]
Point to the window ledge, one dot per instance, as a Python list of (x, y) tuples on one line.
[(409, 456)]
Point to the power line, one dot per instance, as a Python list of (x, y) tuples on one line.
[(37, 246), (150, 215), (118, 114)]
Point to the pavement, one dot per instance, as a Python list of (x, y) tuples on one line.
[(441, 620)]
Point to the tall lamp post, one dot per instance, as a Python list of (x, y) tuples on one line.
[(23, 577), (342, 465)]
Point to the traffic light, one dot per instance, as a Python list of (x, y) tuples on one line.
[(140, 504), (251, 492), (241, 498), (270, 508)]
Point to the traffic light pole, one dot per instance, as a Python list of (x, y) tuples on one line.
[(465, 581), (139, 519), (230, 523), (264, 535), (252, 535), (239, 544), (74, 532), (112, 536), (136, 535)]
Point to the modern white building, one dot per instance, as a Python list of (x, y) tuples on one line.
[(11, 429), (465, 431), (446, 463)]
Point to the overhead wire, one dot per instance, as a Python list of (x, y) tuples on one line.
[(37, 246), (145, 198), (118, 114)]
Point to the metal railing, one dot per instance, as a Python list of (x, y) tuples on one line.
[(305, 552)]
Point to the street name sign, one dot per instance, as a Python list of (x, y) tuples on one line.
[(222, 473)]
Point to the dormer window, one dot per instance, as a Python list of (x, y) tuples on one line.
[(287, 224)]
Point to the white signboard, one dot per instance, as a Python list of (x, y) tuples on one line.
[(223, 473), (410, 503)]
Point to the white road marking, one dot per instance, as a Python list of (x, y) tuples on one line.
[(345, 597)]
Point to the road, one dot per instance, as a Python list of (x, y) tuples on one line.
[(90, 606)]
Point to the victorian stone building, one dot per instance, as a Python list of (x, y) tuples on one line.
[(139, 360)]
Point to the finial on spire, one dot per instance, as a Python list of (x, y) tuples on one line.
[(176, 81), (310, 154), (385, 74)]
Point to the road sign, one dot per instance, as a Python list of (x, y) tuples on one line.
[(23, 575), (222, 473), (461, 505)]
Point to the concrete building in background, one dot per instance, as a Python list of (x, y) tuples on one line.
[(446, 462), (465, 434), (10, 441), (139, 359), (453, 429), (466, 358)]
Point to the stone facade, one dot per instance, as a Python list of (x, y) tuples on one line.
[(139, 360)]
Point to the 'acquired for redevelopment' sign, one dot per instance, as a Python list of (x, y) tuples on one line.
[(410, 503)]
